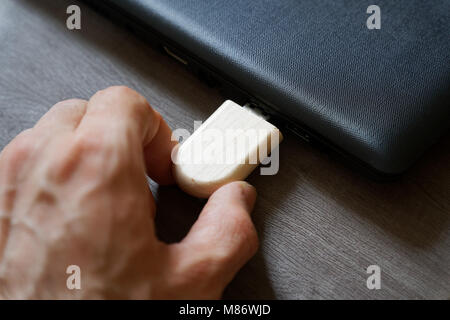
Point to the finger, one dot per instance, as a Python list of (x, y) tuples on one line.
[(65, 115), (224, 238), (14, 156), (158, 155), (12, 159), (126, 116)]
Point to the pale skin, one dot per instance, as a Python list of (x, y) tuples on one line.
[(73, 192)]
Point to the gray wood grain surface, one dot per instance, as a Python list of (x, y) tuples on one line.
[(320, 224)]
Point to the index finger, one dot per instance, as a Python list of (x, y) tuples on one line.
[(127, 118)]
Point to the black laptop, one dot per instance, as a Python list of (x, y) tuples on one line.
[(379, 97)]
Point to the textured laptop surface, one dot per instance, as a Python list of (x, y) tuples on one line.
[(381, 95)]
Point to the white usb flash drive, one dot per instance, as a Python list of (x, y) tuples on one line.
[(232, 142)]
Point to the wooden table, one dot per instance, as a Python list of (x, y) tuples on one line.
[(320, 224)]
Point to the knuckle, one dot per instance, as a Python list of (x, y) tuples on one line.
[(203, 268), (90, 148), (138, 107), (246, 241), (13, 161), (118, 91), (220, 260), (69, 103), (88, 141), (18, 151), (198, 271), (61, 166), (95, 152)]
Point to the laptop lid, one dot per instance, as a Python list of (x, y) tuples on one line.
[(381, 95)]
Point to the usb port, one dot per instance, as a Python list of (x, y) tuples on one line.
[(174, 55), (298, 132)]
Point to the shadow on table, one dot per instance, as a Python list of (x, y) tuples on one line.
[(414, 208)]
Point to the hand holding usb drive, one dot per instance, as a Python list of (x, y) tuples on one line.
[(227, 147)]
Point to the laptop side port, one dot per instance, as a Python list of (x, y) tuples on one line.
[(281, 122), (171, 53), (298, 132)]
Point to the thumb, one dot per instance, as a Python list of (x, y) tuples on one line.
[(222, 240)]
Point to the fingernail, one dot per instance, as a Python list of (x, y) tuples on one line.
[(249, 195)]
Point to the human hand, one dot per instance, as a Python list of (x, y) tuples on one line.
[(73, 192)]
